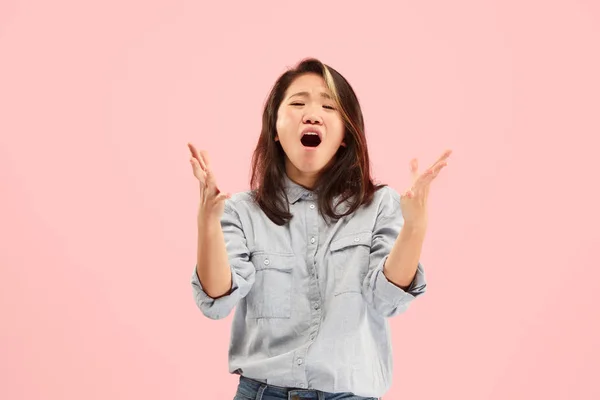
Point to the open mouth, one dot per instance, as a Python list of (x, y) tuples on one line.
[(310, 139)]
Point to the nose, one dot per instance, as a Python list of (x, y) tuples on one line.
[(312, 119)]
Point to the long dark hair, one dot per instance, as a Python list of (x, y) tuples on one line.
[(349, 175)]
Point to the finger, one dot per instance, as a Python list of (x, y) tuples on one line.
[(442, 158), (438, 169), (198, 171), (211, 181), (195, 165), (202, 162), (205, 158), (408, 194), (201, 156), (193, 150), (424, 181), (434, 170), (198, 156), (414, 169), (223, 196)]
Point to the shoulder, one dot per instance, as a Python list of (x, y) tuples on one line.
[(241, 203), (387, 200), (240, 198), (387, 194)]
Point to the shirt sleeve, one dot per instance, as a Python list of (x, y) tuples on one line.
[(385, 297), (242, 269)]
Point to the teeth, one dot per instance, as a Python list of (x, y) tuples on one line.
[(311, 133)]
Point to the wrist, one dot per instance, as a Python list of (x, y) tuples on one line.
[(208, 218), (415, 227)]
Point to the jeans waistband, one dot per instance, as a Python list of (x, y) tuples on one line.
[(260, 386)]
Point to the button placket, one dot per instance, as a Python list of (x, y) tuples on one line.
[(314, 296), (300, 366)]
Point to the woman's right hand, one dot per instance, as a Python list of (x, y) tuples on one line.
[(212, 201)]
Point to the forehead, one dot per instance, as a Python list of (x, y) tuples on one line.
[(308, 84)]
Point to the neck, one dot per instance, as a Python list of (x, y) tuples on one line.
[(306, 180)]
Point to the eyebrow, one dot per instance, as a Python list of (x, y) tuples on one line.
[(306, 94)]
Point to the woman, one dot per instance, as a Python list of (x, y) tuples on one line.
[(315, 256)]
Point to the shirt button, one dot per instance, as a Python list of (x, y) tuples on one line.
[(299, 361), (312, 240), (310, 195), (316, 306), (356, 239), (312, 337), (267, 262), (312, 206), (301, 385)]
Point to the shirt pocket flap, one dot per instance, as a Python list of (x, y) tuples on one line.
[(273, 261), (360, 238)]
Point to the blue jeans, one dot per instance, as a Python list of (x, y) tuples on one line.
[(249, 389)]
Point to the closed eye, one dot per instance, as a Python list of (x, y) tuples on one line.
[(301, 104)]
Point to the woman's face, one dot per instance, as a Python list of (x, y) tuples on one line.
[(309, 128)]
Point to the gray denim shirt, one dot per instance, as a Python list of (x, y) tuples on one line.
[(312, 302)]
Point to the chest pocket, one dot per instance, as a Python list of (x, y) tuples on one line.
[(350, 258), (271, 294)]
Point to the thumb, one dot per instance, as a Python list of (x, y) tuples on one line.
[(222, 197)]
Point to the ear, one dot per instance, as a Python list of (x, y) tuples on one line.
[(277, 138), (343, 144)]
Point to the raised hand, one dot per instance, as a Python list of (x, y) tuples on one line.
[(413, 201), (212, 201)]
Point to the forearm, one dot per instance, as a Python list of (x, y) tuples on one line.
[(402, 263), (212, 265)]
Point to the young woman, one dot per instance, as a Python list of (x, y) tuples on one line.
[(315, 257)]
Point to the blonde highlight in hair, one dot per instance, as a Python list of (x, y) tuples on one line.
[(330, 83)]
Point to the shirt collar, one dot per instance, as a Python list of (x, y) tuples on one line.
[(296, 192)]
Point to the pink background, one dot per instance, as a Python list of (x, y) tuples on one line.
[(98, 202)]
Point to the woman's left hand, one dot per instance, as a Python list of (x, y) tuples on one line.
[(413, 202)]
